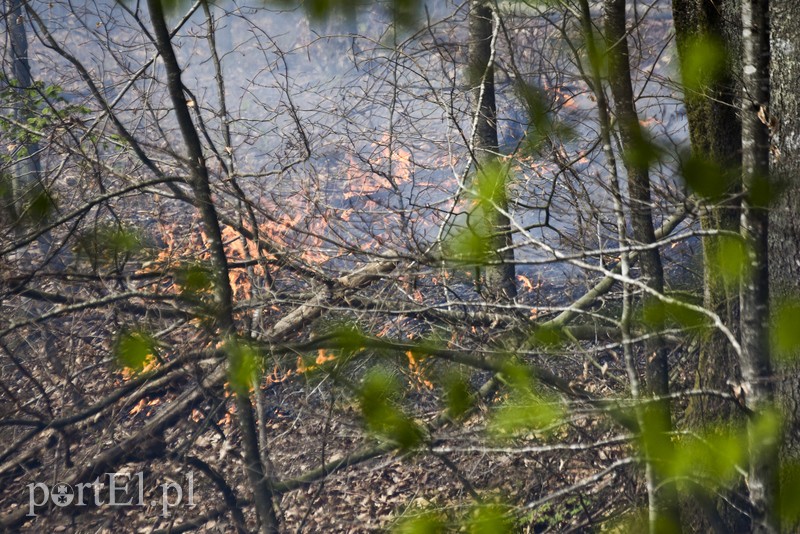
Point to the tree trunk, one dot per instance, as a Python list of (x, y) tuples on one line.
[(259, 478), (715, 133), (755, 357), (657, 414), (500, 277), (784, 241)]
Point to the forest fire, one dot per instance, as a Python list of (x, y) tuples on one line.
[(365, 271)]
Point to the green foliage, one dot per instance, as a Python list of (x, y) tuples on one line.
[(704, 60), (789, 505), (596, 53), (428, 522), (109, 245), (707, 178), (658, 314), (489, 519), (472, 243), (244, 365), (379, 395), (643, 151), (194, 279), (525, 409), (785, 330), (729, 259), (347, 337), (404, 12), (542, 125), (547, 337), (134, 349), (714, 455), (457, 395), (761, 191)]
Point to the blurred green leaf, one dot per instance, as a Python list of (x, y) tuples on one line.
[(542, 122), (425, 523), (643, 151), (704, 61), (729, 259), (489, 185), (489, 519), (134, 349), (471, 241), (762, 191), (379, 393), (524, 409), (790, 488), (713, 456), (194, 279), (37, 206), (785, 328), (348, 337), (244, 365), (658, 314), (457, 395), (109, 245), (547, 337), (706, 178)]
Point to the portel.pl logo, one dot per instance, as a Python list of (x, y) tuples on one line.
[(112, 489)]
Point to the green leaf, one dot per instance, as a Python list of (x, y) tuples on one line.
[(244, 365), (425, 523), (706, 178), (134, 349), (383, 417), (109, 245), (785, 330), (658, 314), (643, 151), (194, 279), (38, 206), (471, 242), (790, 489), (542, 124), (458, 395), (729, 259), (704, 60), (547, 337), (489, 519), (525, 409), (714, 455)]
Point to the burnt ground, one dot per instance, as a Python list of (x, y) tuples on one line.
[(311, 423)]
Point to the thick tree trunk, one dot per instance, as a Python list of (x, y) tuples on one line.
[(500, 277), (715, 133), (784, 241)]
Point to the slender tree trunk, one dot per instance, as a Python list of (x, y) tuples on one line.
[(755, 358), (28, 169), (260, 480), (26, 181), (500, 279), (652, 273)]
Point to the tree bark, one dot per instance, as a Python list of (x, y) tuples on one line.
[(260, 480), (658, 416), (784, 240), (715, 133), (755, 359), (500, 277)]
